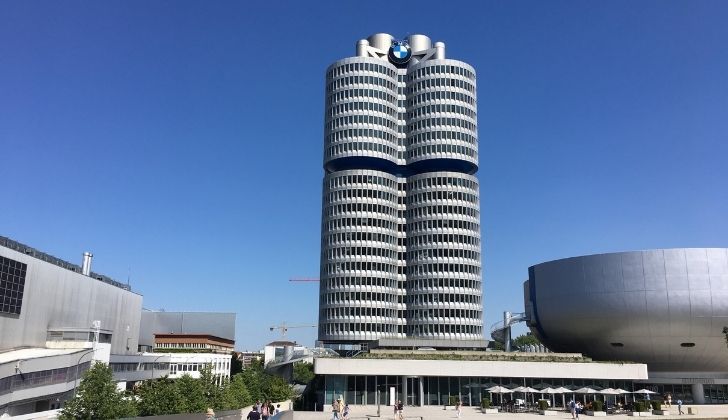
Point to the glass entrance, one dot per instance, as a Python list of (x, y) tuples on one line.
[(413, 392)]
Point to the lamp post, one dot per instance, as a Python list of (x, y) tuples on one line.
[(75, 380)]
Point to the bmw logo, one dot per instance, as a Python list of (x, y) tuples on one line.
[(399, 52)]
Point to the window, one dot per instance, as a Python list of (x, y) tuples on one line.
[(12, 285)]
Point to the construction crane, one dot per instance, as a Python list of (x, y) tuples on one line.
[(304, 279), (283, 328)]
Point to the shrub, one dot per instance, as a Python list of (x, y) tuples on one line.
[(543, 405), (656, 405), (597, 405), (452, 400), (639, 406), (485, 403)]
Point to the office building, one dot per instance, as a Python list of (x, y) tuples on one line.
[(400, 240), (667, 308)]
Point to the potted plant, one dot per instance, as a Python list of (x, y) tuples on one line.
[(597, 409), (657, 409), (640, 410), (486, 408), (543, 408)]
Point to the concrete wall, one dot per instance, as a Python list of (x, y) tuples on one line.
[(55, 297)]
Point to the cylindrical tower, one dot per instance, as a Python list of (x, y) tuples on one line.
[(444, 299), (358, 299), (400, 248)]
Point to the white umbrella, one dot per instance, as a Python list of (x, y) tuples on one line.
[(646, 393), (553, 392), (621, 391), (609, 391), (499, 390)]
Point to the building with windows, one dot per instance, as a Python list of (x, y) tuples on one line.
[(667, 308), (194, 343), (400, 239)]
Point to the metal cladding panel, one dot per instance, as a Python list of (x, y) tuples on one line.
[(219, 324), (666, 308), (59, 298)]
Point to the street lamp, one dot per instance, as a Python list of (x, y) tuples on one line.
[(155, 362), (75, 380)]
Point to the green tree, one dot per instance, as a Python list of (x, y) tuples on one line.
[(303, 373), (158, 397), (98, 398), (526, 339), (212, 391), (236, 394), (194, 399), (236, 365), (253, 377), (277, 389)]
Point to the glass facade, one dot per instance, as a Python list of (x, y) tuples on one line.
[(42, 378), (12, 284)]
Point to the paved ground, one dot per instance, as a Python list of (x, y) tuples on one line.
[(469, 413)]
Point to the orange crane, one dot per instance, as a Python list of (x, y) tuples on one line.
[(304, 279)]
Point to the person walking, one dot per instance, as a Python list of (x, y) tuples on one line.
[(458, 408), (399, 410), (669, 399), (572, 408), (346, 412), (254, 414), (210, 415), (335, 408), (679, 406), (264, 411), (278, 409)]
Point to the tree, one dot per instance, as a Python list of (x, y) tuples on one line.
[(236, 365), (277, 389), (158, 397), (210, 388), (193, 394), (526, 339), (253, 379), (236, 394), (303, 373), (98, 398)]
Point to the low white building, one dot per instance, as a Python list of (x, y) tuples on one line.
[(192, 364)]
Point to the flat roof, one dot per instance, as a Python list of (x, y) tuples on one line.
[(34, 353)]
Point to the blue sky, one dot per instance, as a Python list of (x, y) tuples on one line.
[(181, 142)]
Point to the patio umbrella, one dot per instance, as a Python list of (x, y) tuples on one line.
[(499, 390), (645, 392), (563, 391), (553, 392), (585, 390), (609, 391), (621, 392)]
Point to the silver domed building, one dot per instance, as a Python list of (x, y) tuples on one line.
[(667, 308)]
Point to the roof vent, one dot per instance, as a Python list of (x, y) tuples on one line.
[(86, 264)]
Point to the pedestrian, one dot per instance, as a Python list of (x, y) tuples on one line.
[(669, 399), (254, 414), (257, 406), (458, 408), (399, 409), (572, 408), (264, 412), (346, 412), (579, 407), (335, 408), (271, 408), (278, 409), (679, 406), (210, 415)]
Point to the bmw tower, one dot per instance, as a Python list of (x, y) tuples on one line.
[(400, 236)]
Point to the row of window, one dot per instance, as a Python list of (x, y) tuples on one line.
[(442, 224), (24, 380), (347, 222), (442, 181), (442, 329), (363, 106), (362, 179), (438, 298), (350, 134), (347, 81), (442, 148), (367, 146), (349, 328), (426, 254), (434, 268), (192, 346), (348, 237), (427, 123), (334, 196), (341, 252), (356, 67), (444, 313), (348, 120), (359, 281), (442, 239), (135, 367), (331, 313), (442, 136), (361, 93), (427, 197), (332, 268), (341, 209), (442, 209), (440, 95), (442, 69), (441, 82), (349, 297), (429, 284), (441, 108)]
